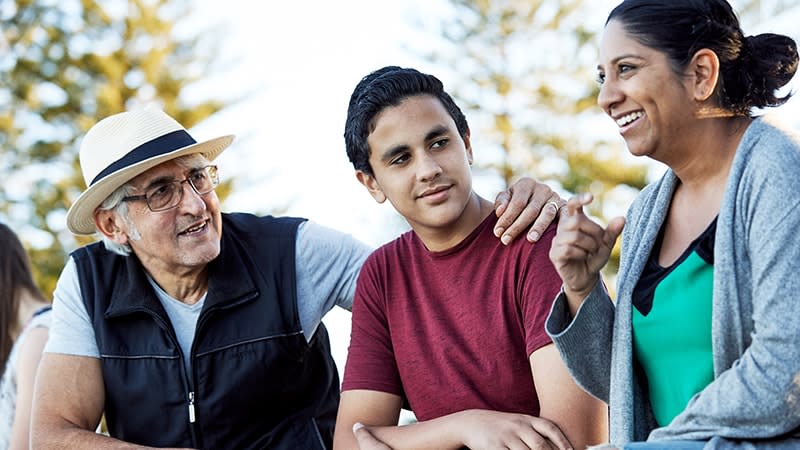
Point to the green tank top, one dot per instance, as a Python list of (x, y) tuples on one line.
[(672, 326)]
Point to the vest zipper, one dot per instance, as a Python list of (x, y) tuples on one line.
[(191, 407), (189, 386)]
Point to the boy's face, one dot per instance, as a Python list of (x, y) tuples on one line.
[(420, 163)]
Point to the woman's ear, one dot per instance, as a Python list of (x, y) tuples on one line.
[(372, 185), (705, 69)]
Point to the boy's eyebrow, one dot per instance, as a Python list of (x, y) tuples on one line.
[(394, 151), (436, 131)]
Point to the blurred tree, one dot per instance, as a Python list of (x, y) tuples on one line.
[(524, 71), (65, 64), (759, 11)]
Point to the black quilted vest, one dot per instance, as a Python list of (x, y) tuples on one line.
[(254, 383)]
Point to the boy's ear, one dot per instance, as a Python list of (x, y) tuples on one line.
[(107, 223), (372, 185), (705, 68), (468, 146)]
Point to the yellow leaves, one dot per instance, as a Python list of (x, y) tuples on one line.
[(108, 97), (152, 64), (105, 59), (112, 66), (83, 123), (6, 120), (607, 171), (501, 83), (502, 123)]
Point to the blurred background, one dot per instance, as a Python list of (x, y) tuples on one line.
[(279, 75)]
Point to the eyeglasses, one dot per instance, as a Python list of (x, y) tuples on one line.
[(164, 196)]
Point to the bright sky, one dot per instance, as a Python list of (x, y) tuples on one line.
[(296, 63), (300, 62)]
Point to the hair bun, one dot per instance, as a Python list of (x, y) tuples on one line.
[(772, 55)]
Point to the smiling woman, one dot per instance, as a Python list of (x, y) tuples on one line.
[(712, 242)]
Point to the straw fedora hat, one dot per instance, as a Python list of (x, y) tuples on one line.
[(122, 146)]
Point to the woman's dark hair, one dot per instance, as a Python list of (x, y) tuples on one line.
[(381, 89), (15, 277), (752, 68)]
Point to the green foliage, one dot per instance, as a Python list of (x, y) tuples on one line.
[(515, 65), (525, 70), (63, 66)]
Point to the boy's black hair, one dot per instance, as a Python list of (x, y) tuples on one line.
[(381, 89)]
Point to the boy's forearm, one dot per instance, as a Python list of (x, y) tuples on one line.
[(474, 428), (439, 433)]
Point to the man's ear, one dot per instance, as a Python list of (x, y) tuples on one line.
[(705, 68), (108, 223), (372, 185)]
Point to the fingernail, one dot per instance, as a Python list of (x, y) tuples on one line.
[(498, 231), (357, 426), (533, 236), (505, 239)]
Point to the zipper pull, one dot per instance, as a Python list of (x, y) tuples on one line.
[(191, 407)]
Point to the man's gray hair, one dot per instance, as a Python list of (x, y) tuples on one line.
[(114, 201)]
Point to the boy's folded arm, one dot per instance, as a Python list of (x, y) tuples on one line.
[(379, 412), (580, 416), (367, 407)]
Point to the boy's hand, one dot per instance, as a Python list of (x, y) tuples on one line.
[(494, 429), (366, 441), (526, 202)]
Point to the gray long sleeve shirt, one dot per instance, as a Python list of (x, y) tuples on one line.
[(755, 395)]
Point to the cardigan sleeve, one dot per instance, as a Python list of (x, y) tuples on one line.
[(585, 341)]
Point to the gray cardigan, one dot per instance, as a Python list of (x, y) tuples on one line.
[(755, 394)]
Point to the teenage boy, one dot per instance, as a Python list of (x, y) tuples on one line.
[(445, 317)]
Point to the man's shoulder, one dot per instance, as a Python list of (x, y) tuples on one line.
[(246, 223), (243, 219), (94, 250)]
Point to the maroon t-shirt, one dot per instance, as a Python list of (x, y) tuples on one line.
[(453, 330)]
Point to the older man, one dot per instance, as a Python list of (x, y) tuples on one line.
[(188, 327)]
